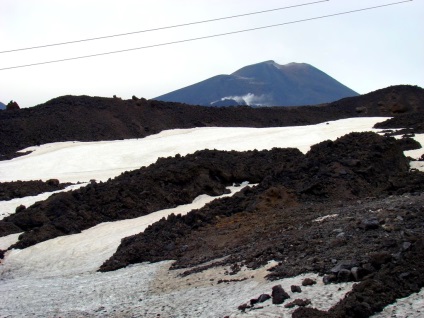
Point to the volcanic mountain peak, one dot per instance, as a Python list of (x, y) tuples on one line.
[(264, 84)]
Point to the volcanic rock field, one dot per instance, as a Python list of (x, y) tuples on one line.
[(297, 218)]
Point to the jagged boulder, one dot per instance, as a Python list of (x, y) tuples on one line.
[(12, 105)]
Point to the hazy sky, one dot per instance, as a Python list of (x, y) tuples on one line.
[(365, 51)]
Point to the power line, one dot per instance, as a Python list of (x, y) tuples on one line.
[(162, 28), (208, 36)]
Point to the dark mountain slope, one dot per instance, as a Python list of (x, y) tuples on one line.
[(84, 118), (2, 106), (264, 84)]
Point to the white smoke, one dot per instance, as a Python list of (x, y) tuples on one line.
[(249, 99)]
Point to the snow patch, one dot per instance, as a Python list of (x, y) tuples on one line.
[(6, 241)]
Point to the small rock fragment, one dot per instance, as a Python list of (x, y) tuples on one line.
[(328, 279), (371, 224), (295, 289), (308, 282), (344, 264), (379, 258), (358, 273), (20, 208), (404, 275), (406, 245), (279, 295), (298, 302), (344, 275), (262, 298), (243, 307)]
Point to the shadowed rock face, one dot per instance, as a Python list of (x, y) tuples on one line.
[(84, 118)]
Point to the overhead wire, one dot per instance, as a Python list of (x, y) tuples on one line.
[(163, 28), (207, 36)]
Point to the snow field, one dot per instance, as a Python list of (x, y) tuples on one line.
[(136, 292)]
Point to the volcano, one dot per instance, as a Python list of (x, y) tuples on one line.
[(264, 84)]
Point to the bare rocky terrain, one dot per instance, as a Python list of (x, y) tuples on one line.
[(350, 209)]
